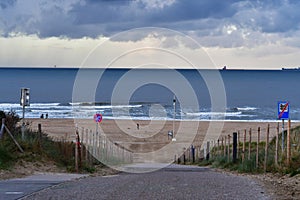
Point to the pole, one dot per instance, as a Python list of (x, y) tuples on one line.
[(40, 134), (266, 149), (174, 115), (218, 150), (222, 148), (276, 145), (282, 137), (15, 141), (234, 151), (23, 121), (76, 156), (96, 127), (225, 146), (238, 144), (288, 144), (257, 146), (228, 149), (207, 150), (249, 145), (244, 146), (2, 128)]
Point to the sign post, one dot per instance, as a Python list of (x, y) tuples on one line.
[(283, 113), (97, 118), (174, 116), (24, 101)]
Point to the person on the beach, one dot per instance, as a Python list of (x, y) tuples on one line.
[(42, 116), (137, 126), (46, 115)]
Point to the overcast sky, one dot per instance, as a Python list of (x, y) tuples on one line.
[(239, 34)]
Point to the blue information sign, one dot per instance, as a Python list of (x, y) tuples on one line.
[(283, 110)]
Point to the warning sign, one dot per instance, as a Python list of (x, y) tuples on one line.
[(283, 110), (98, 117)]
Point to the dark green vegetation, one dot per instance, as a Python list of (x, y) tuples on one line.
[(219, 160), (38, 147)]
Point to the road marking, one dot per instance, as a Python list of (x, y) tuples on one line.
[(110, 176), (14, 193)]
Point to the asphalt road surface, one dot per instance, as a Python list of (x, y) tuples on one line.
[(173, 182), (20, 187)]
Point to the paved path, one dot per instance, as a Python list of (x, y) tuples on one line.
[(20, 187), (173, 182)]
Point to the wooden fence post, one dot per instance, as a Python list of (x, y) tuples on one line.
[(288, 144), (90, 146), (87, 146), (249, 146), (244, 146), (238, 144), (184, 150), (276, 145), (222, 148), (207, 151), (197, 153), (76, 158), (225, 146), (193, 153), (228, 149), (94, 144), (40, 134), (266, 149), (257, 146), (81, 142), (40, 130), (189, 154), (212, 144), (106, 149), (2, 128), (234, 147), (218, 149), (77, 152), (12, 137), (101, 146)]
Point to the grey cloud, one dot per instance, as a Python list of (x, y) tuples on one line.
[(270, 16), (93, 18), (7, 3), (205, 18)]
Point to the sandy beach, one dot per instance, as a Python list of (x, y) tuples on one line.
[(153, 134)]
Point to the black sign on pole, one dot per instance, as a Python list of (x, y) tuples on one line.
[(24, 100)]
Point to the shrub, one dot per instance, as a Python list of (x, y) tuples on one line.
[(11, 120)]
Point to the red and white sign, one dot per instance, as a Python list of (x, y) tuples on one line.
[(97, 117)]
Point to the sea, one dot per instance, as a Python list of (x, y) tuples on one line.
[(156, 94)]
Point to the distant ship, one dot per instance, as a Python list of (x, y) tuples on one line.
[(291, 69)]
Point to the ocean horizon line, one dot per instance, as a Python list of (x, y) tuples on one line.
[(148, 68)]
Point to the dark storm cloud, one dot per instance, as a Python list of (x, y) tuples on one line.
[(122, 15), (93, 18)]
